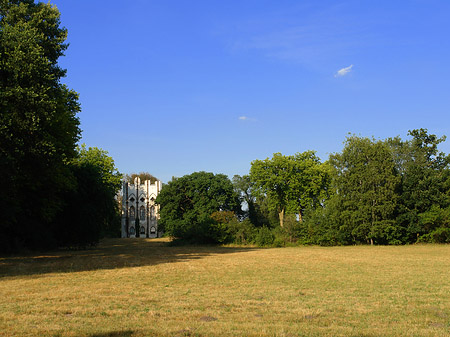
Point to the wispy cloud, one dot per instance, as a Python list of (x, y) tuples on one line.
[(315, 36), (304, 44), (343, 71), (246, 118)]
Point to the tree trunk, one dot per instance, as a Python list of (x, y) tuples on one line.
[(300, 216), (281, 215)]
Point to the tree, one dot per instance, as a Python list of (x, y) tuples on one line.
[(91, 210), (243, 187), (187, 203), (38, 123), (366, 181), (141, 175), (291, 183), (425, 183)]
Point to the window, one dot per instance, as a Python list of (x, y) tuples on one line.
[(132, 231), (142, 230), (142, 213), (132, 212), (152, 212), (152, 230)]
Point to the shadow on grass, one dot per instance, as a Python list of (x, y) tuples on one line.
[(109, 254), (127, 333)]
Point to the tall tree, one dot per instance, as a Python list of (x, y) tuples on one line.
[(38, 123), (187, 203), (91, 210), (366, 181), (292, 183), (425, 182), (243, 187), (108, 181)]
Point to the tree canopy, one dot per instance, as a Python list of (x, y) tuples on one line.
[(141, 175), (91, 210), (38, 123), (292, 183), (366, 181), (389, 191), (187, 203), (53, 194)]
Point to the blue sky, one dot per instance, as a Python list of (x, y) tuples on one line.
[(173, 87)]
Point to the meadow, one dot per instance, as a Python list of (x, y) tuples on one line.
[(143, 287)]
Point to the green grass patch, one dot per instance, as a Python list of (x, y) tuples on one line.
[(141, 287)]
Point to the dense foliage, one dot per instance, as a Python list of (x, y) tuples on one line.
[(187, 204), (90, 211), (373, 192), (385, 192), (291, 183), (143, 176), (38, 127), (38, 124)]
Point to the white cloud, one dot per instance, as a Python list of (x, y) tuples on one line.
[(247, 119), (343, 71)]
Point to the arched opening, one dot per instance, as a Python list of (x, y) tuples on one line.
[(152, 212)]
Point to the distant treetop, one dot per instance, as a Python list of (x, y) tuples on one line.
[(129, 178)]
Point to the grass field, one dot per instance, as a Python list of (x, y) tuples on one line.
[(139, 287)]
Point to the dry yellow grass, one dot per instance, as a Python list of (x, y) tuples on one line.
[(143, 288)]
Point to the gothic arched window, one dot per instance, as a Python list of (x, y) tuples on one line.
[(132, 212), (152, 212), (142, 230), (142, 213), (131, 230)]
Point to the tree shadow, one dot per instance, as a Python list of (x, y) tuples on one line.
[(127, 333), (109, 254)]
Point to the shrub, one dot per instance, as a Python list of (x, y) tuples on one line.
[(243, 232), (439, 235), (264, 237)]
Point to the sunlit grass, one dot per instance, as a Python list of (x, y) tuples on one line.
[(137, 287)]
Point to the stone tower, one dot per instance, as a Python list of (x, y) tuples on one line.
[(139, 212)]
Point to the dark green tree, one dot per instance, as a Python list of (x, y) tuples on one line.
[(187, 203), (91, 210), (38, 123), (366, 181), (243, 187), (425, 185), (109, 182)]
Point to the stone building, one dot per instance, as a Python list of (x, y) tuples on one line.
[(140, 214)]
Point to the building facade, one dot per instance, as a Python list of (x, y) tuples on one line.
[(140, 214)]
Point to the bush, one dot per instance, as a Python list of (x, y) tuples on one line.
[(439, 235), (264, 237), (243, 233)]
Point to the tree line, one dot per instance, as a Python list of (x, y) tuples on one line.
[(54, 193), (390, 191)]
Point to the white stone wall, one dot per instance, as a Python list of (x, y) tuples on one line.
[(140, 214)]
